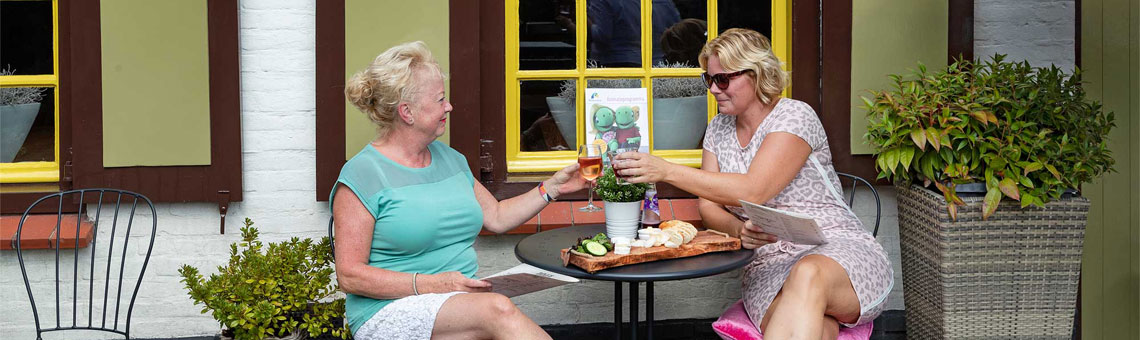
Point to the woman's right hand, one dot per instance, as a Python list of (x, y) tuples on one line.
[(753, 236), (456, 282)]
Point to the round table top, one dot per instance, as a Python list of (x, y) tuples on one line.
[(542, 250)]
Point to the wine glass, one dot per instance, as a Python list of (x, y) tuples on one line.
[(590, 166)]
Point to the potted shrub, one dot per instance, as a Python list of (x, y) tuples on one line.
[(18, 109), (278, 291), (679, 108), (622, 204), (1003, 262)]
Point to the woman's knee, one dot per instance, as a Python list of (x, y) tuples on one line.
[(498, 306), (805, 274)]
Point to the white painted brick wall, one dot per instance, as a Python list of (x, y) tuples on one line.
[(277, 75), (1039, 31), (278, 136)]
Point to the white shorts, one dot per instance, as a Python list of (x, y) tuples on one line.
[(412, 317)]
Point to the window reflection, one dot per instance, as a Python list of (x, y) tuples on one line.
[(614, 33), (750, 14), (546, 35), (547, 121), (677, 41)]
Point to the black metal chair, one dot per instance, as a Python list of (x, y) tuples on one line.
[(855, 182), (332, 241), (118, 238)]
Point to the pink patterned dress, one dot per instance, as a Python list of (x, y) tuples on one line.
[(849, 244)]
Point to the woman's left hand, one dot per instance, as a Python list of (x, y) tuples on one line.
[(566, 181), (637, 167)]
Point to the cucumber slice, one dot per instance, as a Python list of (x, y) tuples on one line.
[(596, 249)]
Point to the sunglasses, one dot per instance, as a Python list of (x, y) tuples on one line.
[(720, 79)]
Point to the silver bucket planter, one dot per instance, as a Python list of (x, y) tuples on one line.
[(15, 122), (622, 219)]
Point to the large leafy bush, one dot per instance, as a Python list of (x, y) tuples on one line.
[(271, 292), (1027, 132)]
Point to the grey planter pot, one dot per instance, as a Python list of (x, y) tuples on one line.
[(15, 122), (679, 123), (563, 113), (1013, 276)]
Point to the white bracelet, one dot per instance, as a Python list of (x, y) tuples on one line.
[(414, 289)]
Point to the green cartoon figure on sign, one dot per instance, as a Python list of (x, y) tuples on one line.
[(604, 119), (628, 134)]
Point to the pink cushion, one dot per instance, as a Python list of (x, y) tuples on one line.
[(734, 324)]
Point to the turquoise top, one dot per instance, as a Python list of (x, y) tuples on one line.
[(426, 218)]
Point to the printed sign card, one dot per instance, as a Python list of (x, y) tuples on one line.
[(618, 118)]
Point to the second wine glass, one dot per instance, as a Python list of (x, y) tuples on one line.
[(590, 167)]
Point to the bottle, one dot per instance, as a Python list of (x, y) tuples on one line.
[(651, 211)]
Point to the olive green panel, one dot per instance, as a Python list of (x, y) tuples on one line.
[(1110, 57), (370, 28), (156, 91), (891, 37)]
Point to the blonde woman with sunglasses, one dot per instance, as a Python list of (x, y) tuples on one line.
[(771, 150)]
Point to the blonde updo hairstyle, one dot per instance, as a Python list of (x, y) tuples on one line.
[(744, 49), (394, 77)]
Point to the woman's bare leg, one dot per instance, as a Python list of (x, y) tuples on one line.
[(830, 328), (484, 316), (817, 289)]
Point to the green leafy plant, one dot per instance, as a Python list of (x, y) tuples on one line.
[(1027, 132), (610, 190), (271, 291)]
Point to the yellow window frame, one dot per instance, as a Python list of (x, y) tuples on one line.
[(38, 172), (542, 161)]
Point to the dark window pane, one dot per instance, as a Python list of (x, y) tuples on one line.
[(680, 113), (28, 124), (546, 35), (750, 14), (26, 37), (547, 119), (614, 36), (679, 32)]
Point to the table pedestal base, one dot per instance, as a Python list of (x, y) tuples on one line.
[(633, 312)]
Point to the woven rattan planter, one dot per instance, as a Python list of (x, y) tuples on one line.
[(1013, 276)]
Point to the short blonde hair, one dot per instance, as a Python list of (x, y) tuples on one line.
[(394, 77), (744, 49)]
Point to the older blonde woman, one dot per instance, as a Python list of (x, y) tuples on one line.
[(407, 211), (771, 150)]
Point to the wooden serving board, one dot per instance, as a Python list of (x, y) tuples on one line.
[(706, 241)]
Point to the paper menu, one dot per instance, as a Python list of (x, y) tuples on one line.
[(524, 279), (619, 118), (787, 226)]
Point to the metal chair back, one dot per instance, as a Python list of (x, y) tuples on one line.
[(111, 242), (332, 241), (856, 181)]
